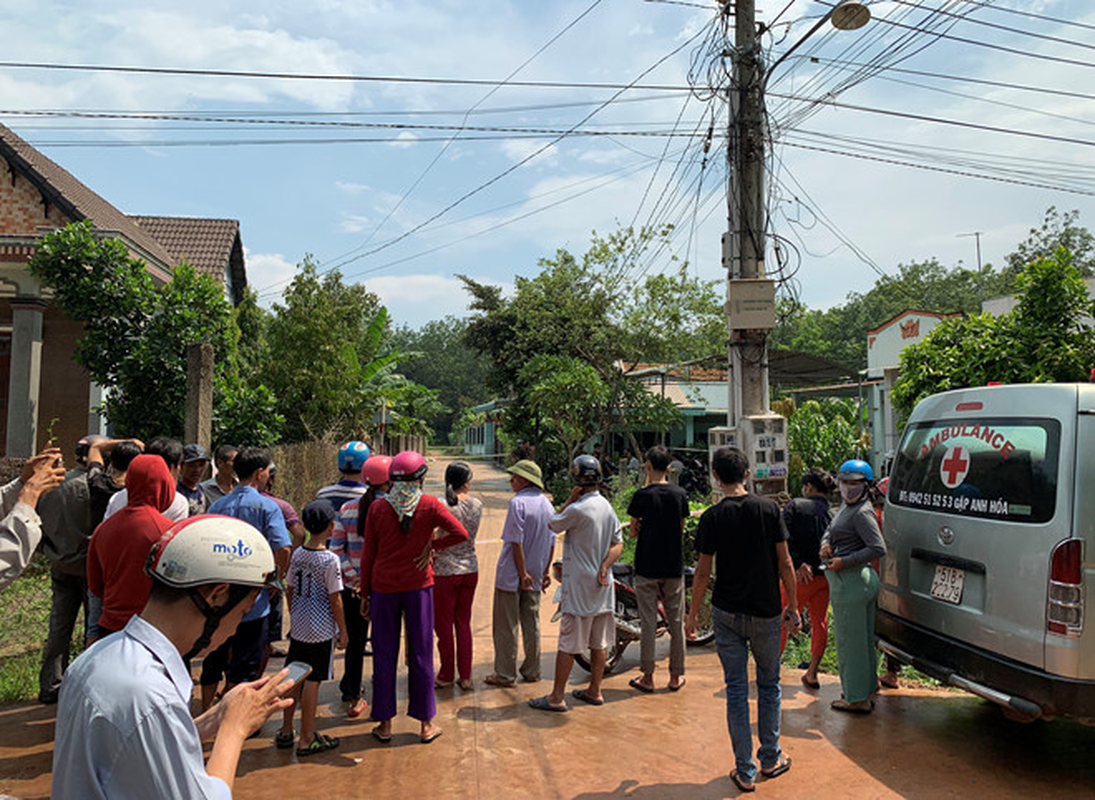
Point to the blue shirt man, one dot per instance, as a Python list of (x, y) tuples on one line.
[(242, 657), (262, 513)]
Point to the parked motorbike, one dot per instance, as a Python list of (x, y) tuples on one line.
[(628, 627)]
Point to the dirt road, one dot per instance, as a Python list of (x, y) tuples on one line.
[(918, 743)]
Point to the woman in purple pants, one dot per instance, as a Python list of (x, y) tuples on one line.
[(397, 579)]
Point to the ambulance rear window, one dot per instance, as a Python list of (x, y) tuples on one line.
[(1003, 469)]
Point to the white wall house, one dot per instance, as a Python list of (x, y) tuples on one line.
[(884, 346)]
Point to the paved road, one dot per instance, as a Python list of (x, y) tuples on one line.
[(918, 743)]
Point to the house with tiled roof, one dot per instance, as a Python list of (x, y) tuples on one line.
[(43, 392)]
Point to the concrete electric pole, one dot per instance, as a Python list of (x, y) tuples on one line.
[(750, 294)]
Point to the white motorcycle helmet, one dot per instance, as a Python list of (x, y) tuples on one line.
[(208, 549)]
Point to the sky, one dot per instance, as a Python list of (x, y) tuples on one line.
[(330, 168)]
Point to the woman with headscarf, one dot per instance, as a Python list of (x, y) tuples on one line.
[(852, 541), (397, 587), (456, 573)]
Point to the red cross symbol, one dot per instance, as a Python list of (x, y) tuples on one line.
[(955, 465)]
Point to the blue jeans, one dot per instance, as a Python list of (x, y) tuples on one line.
[(735, 634)]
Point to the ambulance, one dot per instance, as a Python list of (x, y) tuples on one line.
[(990, 529)]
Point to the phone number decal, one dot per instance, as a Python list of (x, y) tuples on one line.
[(960, 504)]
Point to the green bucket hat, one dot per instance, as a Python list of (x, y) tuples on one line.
[(529, 470)]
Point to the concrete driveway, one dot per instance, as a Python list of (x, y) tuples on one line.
[(918, 743)]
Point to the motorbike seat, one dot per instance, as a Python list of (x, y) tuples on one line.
[(622, 572)]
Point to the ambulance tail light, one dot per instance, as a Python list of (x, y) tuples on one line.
[(1065, 607)]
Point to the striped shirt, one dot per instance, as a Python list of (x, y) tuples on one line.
[(345, 543)]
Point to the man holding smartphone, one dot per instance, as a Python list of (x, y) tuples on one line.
[(124, 726)]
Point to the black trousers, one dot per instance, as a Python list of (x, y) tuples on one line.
[(357, 632)]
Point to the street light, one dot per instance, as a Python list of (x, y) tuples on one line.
[(750, 295), (847, 15)]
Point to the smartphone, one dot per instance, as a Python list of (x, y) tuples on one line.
[(298, 671)]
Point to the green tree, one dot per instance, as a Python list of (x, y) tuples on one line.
[(584, 309), (1044, 339), (328, 356), (820, 433), (840, 332), (675, 317), (1057, 230), (136, 337), (438, 356)]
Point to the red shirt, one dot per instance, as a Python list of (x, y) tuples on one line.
[(120, 545), (388, 554)]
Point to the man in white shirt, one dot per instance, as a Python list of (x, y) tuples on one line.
[(20, 528), (594, 540), (123, 725)]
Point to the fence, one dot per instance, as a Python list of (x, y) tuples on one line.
[(306, 466)]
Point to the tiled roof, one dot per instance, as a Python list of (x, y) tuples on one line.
[(205, 244), (62, 189)]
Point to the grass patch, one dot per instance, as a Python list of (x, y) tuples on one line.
[(797, 655), (27, 603)]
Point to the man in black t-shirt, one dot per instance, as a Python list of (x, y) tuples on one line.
[(747, 534), (657, 512)]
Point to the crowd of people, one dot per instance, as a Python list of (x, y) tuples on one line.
[(170, 568)]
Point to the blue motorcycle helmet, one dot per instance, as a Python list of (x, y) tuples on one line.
[(352, 456), (855, 469)]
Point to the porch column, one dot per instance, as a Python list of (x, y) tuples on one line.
[(26, 374)]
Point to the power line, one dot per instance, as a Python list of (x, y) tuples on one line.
[(949, 171), (999, 47), (965, 79), (1030, 14), (456, 135), (370, 113), (296, 76), (953, 122), (491, 181), (409, 126), (975, 21)]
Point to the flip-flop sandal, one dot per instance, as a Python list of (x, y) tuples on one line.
[(636, 683), (810, 684), (741, 783), (679, 686), (781, 766), (494, 680), (285, 740), (383, 738), (320, 744), (583, 695), (542, 704), (852, 708), (888, 683), (431, 737)]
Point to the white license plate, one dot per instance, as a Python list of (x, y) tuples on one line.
[(947, 584)]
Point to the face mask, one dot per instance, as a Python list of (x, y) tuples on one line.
[(852, 492)]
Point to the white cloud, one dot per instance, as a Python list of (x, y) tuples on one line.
[(404, 139), (271, 270), (351, 188), (418, 298), (520, 149), (354, 223)]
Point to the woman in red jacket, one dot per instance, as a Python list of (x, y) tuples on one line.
[(397, 587)]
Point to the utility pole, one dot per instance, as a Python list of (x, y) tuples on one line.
[(750, 294), (977, 237)]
